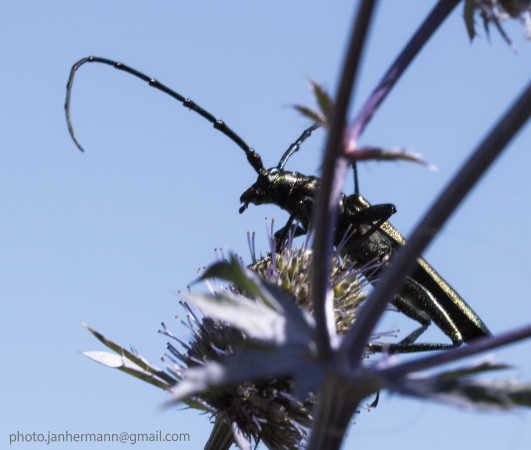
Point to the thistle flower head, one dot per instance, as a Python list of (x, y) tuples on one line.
[(289, 269), (262, 410), (265, 410)]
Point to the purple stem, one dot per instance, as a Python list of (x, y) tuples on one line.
[(354, 343), (478, 346), (333, 175), (425, 31)]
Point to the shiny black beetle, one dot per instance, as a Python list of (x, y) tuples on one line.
[(362, 229)]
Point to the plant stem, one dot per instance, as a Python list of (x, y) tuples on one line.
[(478, 346), (333, 175), (493, 144), (437, 16)]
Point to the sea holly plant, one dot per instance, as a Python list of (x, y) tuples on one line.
[(264, 314), (458, 387), (267, 368), (252, 363), (348, 380)]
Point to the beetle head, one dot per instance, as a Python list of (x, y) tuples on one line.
[(262, 191)]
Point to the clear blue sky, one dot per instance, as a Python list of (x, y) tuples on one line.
[(107, 237)]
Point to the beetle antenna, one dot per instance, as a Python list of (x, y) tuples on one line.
[(295, 146), (254, 158), (356, 182)]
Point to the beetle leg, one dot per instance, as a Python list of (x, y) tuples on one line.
[(374, 215), (416, 302), (303, 215), (422, 299), (409, 348), (281, 236)]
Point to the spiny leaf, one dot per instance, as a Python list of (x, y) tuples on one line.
[(468, 13), (492, 11), (294, 324), (233, 272), (502, 32), (299, 321), (474, 370), (288, 360), (139, 361), (382, 154), (491, 394), (254, 319), (125, 365), (326, 104), (312, 114), (458, 387), (521, 395)]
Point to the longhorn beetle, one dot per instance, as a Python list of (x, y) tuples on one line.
[(362, 229)]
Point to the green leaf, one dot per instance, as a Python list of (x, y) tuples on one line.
[(474, 370), (312, 114), (125, 365), (127, 362), (300, 322), (255, 319), (459, 387), (288, 360), (138, 361), (490, 394), (326, 104), (277, 319), (521, 395), (233, 272), (382, 154)]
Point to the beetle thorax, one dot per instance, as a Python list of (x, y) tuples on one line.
[(283, 188)]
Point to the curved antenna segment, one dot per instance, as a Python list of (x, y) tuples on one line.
[(295, 146), (253, 157)]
